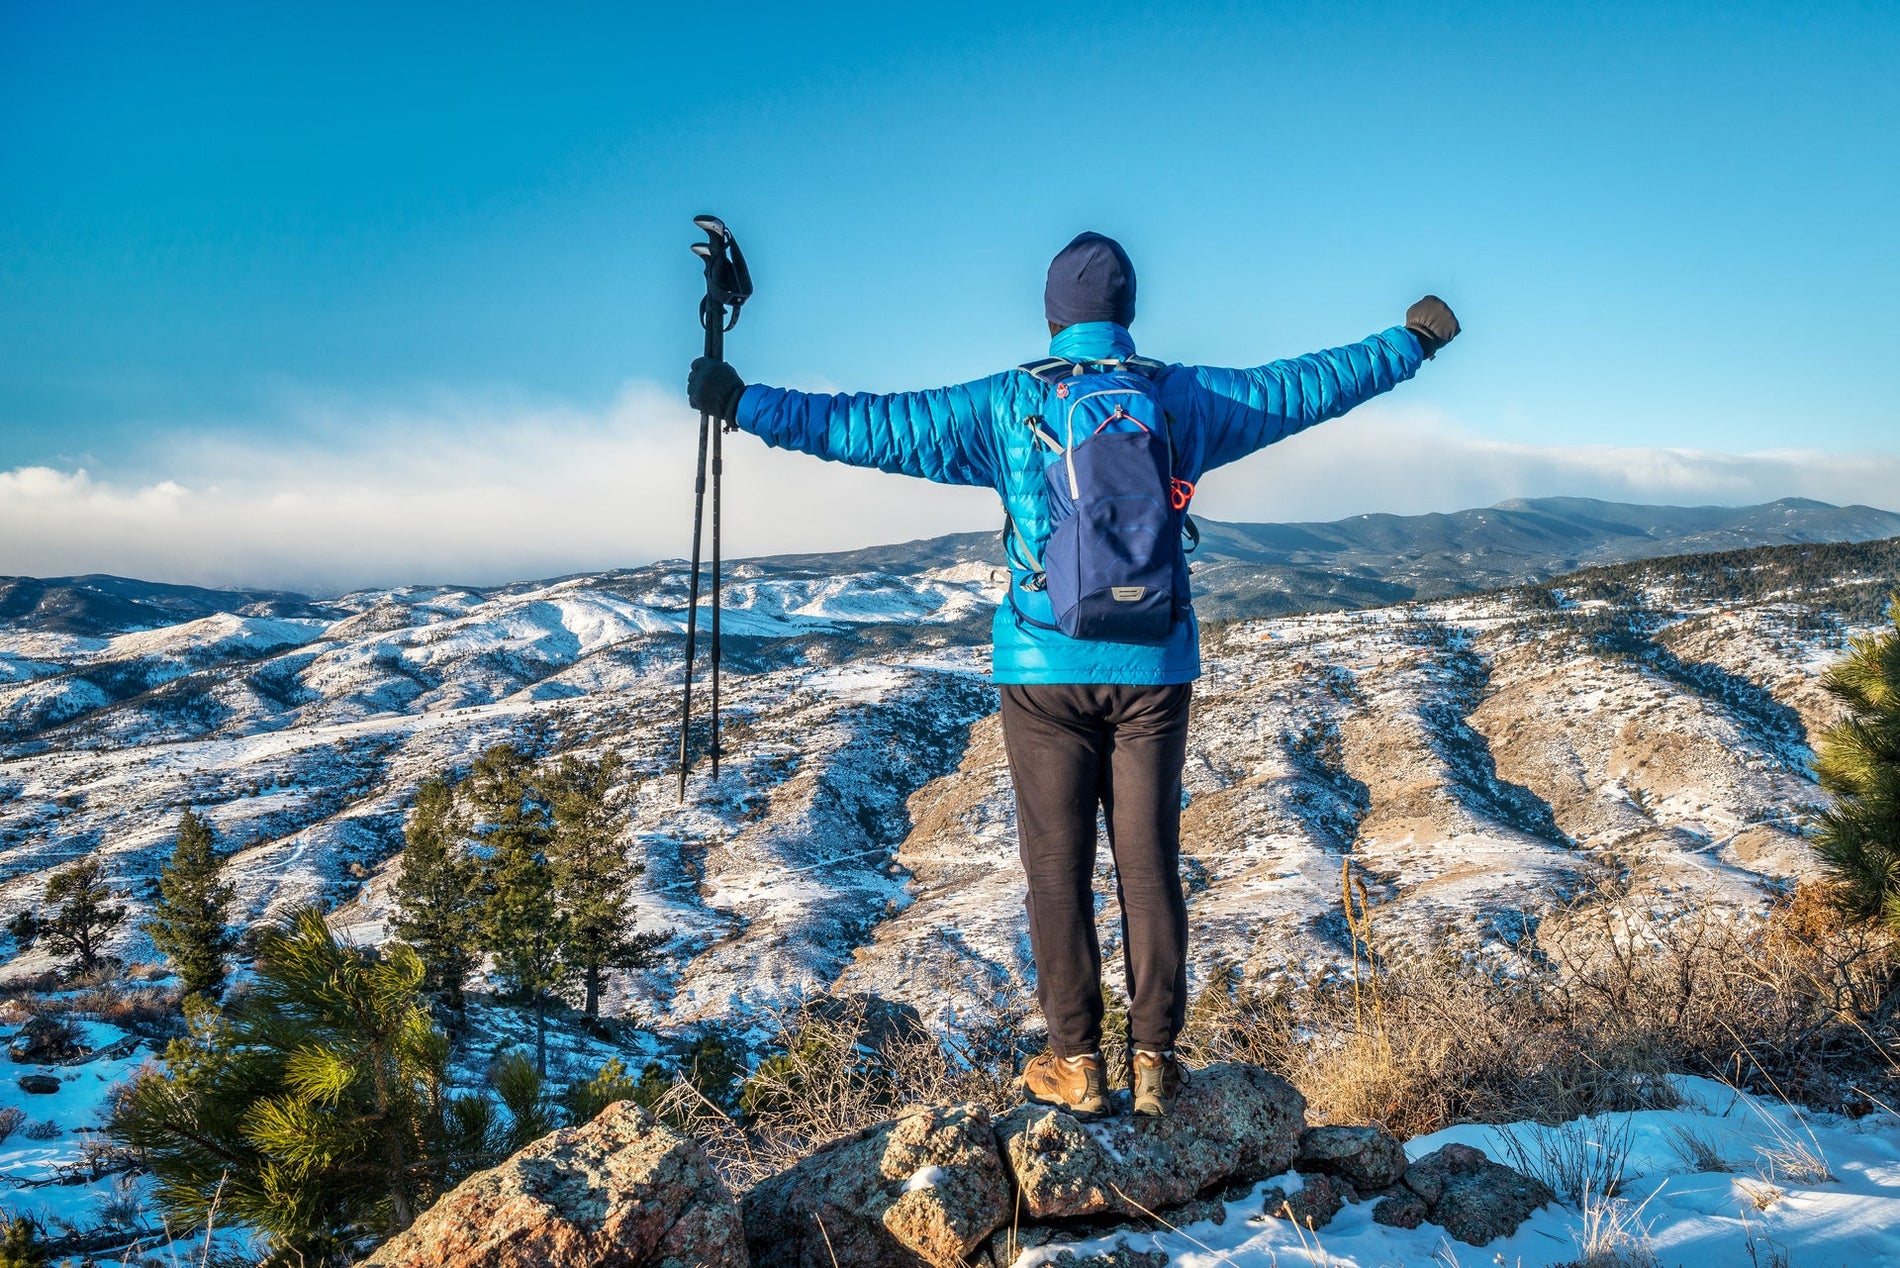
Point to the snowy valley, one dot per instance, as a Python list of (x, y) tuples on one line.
[(1474, 760)]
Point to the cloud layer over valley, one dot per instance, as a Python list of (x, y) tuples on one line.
[(474, 494)]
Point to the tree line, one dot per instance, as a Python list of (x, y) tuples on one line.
[(520, 863)]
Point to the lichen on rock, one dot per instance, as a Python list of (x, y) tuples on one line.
[(621, 1192), (1473, 1198), (1231, 1121), (927, 1187)]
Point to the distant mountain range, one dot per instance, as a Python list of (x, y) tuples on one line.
[(1241, 570), (1250, 570)]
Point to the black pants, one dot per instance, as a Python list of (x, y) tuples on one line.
[(1071, 748)]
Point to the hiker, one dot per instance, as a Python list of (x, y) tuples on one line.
[(1095, 679)]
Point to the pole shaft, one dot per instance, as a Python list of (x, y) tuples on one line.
[(716, 349), (706, 427), (718, 469)]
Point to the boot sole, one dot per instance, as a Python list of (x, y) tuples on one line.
[(1085, 1115)]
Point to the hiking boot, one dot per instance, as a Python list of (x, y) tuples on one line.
[(1077, 1084), (1157, 1081)]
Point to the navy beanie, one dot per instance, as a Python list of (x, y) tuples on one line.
[(1090, 280)]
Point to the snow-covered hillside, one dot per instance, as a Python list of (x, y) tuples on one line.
[(1471, 758)]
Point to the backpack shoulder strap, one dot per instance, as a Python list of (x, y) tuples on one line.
[(1050, 370)]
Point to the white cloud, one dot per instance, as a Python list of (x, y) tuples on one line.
[(1405, 461), (458, 495), (352, 498)]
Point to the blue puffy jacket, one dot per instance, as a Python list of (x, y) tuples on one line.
[(975, 434)]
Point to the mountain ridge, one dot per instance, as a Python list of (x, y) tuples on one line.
[(1241, 569)]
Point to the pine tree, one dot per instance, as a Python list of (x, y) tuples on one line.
[(591, 876), (586, 1098), (1859, 762), (87, 915), (20, 1243), (438, 899), (523, 1090), (315, 1108), (521, 923), (190, 920)]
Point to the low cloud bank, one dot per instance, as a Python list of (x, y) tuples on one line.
[(1408, 462), (487, 495)]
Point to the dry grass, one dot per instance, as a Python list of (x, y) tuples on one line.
[(1591, 1015), (1764, 1251), (1578, 1160), (840, 1066), (1613, 992), (1698, 1149), (1612, 1235)]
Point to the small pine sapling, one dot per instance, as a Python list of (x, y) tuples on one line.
[(315, 1108), (522, 1090), (586, 1098), (522, 924), (438, 895), (190, 920), (591, 875), (88, 913), (20, 1245)]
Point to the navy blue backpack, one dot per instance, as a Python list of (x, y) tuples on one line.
[(1115, 567)]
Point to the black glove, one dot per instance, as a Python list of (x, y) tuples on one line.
[(713, 387), (1432, 321)]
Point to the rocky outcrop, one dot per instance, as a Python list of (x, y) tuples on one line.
[(926, 1188), (621, 1192), (1473, 1198), (946, 1186), (1231, 1122), (1400, 1208)]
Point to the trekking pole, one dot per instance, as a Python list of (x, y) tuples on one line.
[(728, 286)]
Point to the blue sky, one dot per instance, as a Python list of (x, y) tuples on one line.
[(237, 242)]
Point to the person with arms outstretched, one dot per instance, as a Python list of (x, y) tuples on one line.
[(1095, 453)]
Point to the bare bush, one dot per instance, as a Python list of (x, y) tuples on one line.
[(151, 1011), (123, 1204)]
